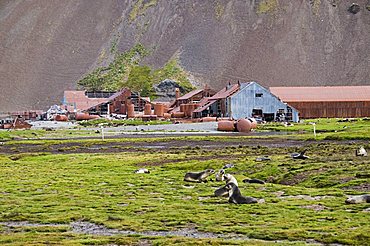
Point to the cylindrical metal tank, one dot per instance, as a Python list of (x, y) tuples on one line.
[(178, 114), (209, 119), (243, 125), (82, 116), (228, 126), (60, 117), (159, 110), (182, 107), (253, 123), (131, 111), (166, 115), (148, 109)]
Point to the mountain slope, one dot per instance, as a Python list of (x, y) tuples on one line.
[(46, 46)]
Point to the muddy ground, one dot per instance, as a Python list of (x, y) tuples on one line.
[(161, 143)]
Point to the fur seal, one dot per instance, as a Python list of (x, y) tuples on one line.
[(229, 165), (220, 174), (263, 158), (230, 179), (198, 177), (361, 152), (236, 197), (223, 191), (301, 155), (253, 181), (142, 170), (358, 199)]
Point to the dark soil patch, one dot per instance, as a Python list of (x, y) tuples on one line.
[(362, 187), (161, 145), (190, 158), (301, 177)]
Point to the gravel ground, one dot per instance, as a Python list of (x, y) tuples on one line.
[(52, 124)]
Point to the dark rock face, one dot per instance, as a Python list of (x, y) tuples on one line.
[(47, 46), (166, 90)]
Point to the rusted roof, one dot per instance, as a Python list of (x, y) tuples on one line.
[(225, 92), (322, 93), (204, 106), (190, 94), (80, 100)]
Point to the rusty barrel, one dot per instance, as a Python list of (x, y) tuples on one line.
[(243, 125), (178, 114), (228, 126), (159, 110), (82, 116), (131, 111), (60, 117), (209, 119), (166, 115), (253, 123), (148, 109)]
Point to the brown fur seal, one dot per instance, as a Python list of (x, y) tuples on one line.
[(235, 196), (198, 177), (253, 181), (358, 199), (220, 174), (223, 191)]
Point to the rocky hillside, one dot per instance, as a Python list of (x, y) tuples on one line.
[(47, 46)]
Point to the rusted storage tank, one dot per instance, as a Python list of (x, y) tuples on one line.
[(253, 123), (60, 117), (93, 116), (209, 119), (82, 116), (243, 125), (182, 107), (131, 111), (178, 114), (159, 110), (86, 116), (148, 109), (189, 109), (224, 125)]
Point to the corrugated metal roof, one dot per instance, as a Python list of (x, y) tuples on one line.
[(80, 100), (225, 92), (190, 94), (205, 106), (322, 93)]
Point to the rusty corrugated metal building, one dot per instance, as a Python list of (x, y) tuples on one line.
[(243, 100), (327, 101)]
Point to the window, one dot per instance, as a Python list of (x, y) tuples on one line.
[(259, 94)]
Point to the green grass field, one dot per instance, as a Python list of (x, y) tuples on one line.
[(303, 199)]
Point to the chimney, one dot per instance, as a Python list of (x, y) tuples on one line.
[(177, 93)]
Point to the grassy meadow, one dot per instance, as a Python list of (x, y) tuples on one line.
[(301, 203)]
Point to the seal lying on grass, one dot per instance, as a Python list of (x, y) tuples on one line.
[(361, 152), (358, 199), (198, 177), (253, 181), (220, 174), (235, 196), (300, 156), (223, 191), (142, 170)]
